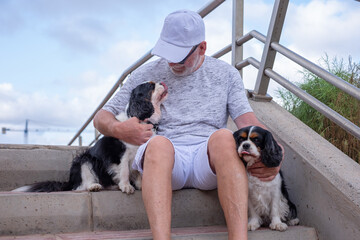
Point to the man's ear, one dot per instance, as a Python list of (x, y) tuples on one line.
[(237, 137), (202, 48)]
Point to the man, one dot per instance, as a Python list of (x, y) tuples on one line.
[(192, 148)]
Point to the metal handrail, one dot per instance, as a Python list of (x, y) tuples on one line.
[(312, 101), (202, 12), (327, 76), (312, 67)]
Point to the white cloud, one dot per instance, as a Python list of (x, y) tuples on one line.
[(6, 89), (321, 27), (124, 53), (257, 15), (79, 33), (69, 110)]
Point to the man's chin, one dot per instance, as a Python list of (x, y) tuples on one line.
[(182, 73)]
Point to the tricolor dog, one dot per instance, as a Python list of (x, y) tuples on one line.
[(109, 161), (269, 203)]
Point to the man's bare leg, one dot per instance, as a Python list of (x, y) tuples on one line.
[(232, 182), (156, 186)]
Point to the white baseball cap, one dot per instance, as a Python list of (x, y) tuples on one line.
[(182, 30)]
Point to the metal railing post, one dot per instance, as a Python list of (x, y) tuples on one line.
[(268, 56), (237, 32)]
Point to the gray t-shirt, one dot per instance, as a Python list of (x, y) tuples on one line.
[(197, 104)]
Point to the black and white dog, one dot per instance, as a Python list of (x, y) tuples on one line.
[(269, 203), (109, 161)]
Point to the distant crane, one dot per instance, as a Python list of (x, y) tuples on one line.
[(26, 130)]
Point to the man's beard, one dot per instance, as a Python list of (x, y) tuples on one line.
[(188, 70)]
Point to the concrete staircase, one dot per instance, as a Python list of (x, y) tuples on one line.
[(101, 215)]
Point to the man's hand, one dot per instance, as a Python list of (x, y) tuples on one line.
[(132, 131), (262, 172)]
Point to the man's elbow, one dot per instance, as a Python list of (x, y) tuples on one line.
[(97, 119)]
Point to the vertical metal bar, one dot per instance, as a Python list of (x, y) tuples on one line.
[(237, 32), (273, 35), (97, 133), (80, 140), (26, 131)]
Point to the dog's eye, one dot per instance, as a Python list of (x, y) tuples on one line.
[(242, 139), (256, 139)]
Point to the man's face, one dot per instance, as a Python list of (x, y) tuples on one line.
[(190, 65)]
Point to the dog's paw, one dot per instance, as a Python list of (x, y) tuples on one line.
[(126, 188), (95, 187), (138, 183), (293, 222), (278, 226), (253, 224)]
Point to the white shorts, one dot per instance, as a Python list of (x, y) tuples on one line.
[(191, 168)]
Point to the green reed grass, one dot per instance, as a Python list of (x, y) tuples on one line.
[(346, 105)]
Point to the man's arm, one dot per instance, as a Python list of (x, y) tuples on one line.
[(247, 119), (258, 169), (130, 131)]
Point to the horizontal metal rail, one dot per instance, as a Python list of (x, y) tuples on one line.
[(329, 77), (222, 52), (312, 101), (202, 12), (246, 62), (209, 7), (312, 67), (241, 41)]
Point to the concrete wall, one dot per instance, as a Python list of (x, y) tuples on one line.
[(323, 182)]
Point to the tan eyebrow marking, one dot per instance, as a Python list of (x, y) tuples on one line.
[(243, 135), (254, 135)]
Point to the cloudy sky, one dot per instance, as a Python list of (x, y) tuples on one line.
[(58, 59)]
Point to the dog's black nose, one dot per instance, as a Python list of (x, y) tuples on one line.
[(246, 146)]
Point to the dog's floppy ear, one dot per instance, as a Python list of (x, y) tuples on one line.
[(237, 137), (271, 155), (141, 109)]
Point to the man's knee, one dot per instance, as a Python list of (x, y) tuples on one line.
[(159, 151), (221, 147), (222, 140)]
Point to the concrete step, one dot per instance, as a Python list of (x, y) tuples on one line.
[(195, 233), (100, 215), (26, 164), (62, 212)]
